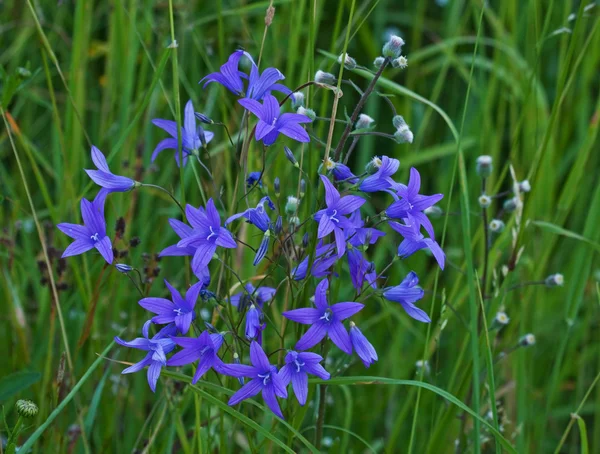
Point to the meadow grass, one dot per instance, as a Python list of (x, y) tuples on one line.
[(517, 80)]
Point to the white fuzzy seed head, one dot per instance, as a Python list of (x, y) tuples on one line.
[(496, 225), (555, 280), (502, 319), (524, 186), (322, 77), (484, 201), (527, 340), (364, 121)]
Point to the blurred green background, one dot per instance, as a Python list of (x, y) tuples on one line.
[(81, 72)]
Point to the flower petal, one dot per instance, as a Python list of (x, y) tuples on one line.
[(268, 394), (300, 386), (252, 388), (305, 315), (157, 305), (349, 204), (169, 126), (339, 336), (344, 310), (104, 246), (203, 256), (326, 226), (165, 144), (312, 337), (153, 374), (77, 247), (258, 357), (416, 313), (321, 295), (331, 193), (99, 160), (75, 231)]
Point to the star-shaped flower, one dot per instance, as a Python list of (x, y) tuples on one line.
[(408, 293), (415, 241), (203, 348), (104, 178), (297, 367)]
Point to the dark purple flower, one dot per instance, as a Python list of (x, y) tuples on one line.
[(414, 240), (297, 367), (206, 236), (257, 216), (90, 235), (362, 346), (192, 138), (382, 178), (180, 310), (254, 327), (260, 85), (408, 293), (332, 218), (104, 178), (340, 172), (325, 259), (264, 377), (271, 122), (229, 76), (325, 320), (260, 296), (360, 269), (359, 235), (412, 203), (254, 178), (203, 348), (156, 359)]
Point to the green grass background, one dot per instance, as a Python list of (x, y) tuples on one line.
[(518, 80)]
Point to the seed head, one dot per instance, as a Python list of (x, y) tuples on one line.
[(378, 62), (496, 225), (501, 319), (349, 62), (484, 201), (484, 166), (524, 186), (434, 211), (393, 47), (307, 112), (297, 100), (322, 77), (400, 62), (26, 408), (555, 280), (364, 121), (527, 340)]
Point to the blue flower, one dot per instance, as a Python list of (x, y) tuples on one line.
[(297, 367), (260, 296), (340, 172), (332, 218), (253, 178), (325, 259), (271, 122), (104, 178), (157, 348), (358, 235), (415, 241), (325, 320), (408, 293), (90, 235), (180, 310), (192, 138), (256, 216), (264, 378), (412, 203), (361, 270), (382, 178), (363, 348), (203, 348)]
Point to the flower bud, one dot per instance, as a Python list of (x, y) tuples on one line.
[(393, 47), (484, 201), (434, 212), (23, 73), (236, 360), (292, 205), (26, 408), (400, 62), (349, 62), (305, 239), (294, 222), (510, 205), (378, 62), (322, 77), (364, 121), (290, 156), (496, 225), (277, 187), (524, 186), (203, 118), (373, 165), (297, 100), (302, 187), (404, 135), (123, 268), (278, 225), (307, 112), (527, 340), (555, 280), (484, 166)]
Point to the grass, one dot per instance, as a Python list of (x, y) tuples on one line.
[(517, 80)]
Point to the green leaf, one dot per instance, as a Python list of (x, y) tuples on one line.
[(16, 382), (553, 228), (582, 434)]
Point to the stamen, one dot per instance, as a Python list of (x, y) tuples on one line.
[(178, 311), (326, 316), (94, 237), (298, 365), (333, 218), (212, 233), (266, 377)]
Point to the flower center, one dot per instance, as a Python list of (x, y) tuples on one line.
[(332, 216), (274, 121), (326, 315), (298, 365), (94, 236), (266, 377), (178, 311), (377, 162), (212, 233)]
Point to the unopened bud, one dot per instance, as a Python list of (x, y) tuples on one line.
[(305, 239), (297, 100), (292, 204), (290, 156), (349, 62), (278, 225), (527, 340), (378, 62), (26, 408), (434, 211), (123, 268), (302, 187), (307, 112), (510, 205), (203, 118), (484, 201), (400, 62), (277, 187), (321, 77), (524, 186), (555, 280), (294, 221), (484, 166), (496, 225), (404, 135), (373, 165), (393, 47), (364, 121)]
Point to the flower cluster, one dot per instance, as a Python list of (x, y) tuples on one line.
[(315, 242)]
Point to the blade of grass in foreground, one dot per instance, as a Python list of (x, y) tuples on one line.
[(40, 430)]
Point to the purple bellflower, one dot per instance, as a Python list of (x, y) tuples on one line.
[(264, 378), (180, 310), (382, 178), (412, 203), (203, 348), (296, 369), (90, 235), (332, 218), (259, 296), (325, 259), (363, 348), (254, 178), (192, 138), (257, 216), (415, 241), (271, 122), (361, 270), (254, 326), (258, 84), (156, 359), (408, 293), (103, 177), (206, 236), (324, 320), (340, 172), (360, 235)]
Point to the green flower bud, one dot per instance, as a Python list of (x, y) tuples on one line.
[(292, 204), (484, 166), (26, 408)]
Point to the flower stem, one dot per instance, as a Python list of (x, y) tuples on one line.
[(160, 188), (486, 235), (322, 403)]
